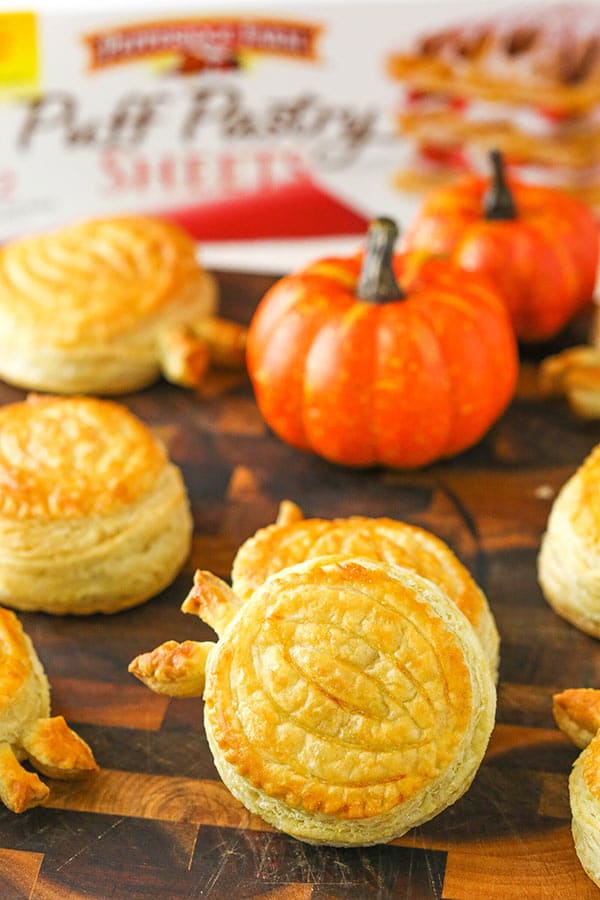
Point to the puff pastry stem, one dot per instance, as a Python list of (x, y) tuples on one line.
[(212, 600), (288, 513), (184, 360), (186, 351), (57, 751), (19, 789), (178, 669), (174, 669)]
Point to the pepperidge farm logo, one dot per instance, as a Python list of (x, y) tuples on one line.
[(189, 46)]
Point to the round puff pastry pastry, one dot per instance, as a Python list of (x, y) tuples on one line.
[(93, 516), (293, 539), (26, 731), (577, 713), (92, 308), (569, 559), (346, 701)]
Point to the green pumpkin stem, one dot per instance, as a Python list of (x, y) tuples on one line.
[(498, 201), (377, 282)]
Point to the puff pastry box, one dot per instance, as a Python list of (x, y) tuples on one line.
[(93, 515)]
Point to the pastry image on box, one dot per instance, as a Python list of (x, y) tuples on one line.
[(93, 516), (568, 562), (526, 81), (346, 701), (98, 307), (26, 729), (577, 714), (293, 539)]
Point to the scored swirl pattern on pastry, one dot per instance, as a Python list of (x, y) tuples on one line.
[(341, 690), (107, 273), (387, 540), (61, 458), (275, 547)]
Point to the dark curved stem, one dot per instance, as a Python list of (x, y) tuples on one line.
[(377, 282), (498, 202)]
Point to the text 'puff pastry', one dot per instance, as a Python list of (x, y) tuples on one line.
[(293, 539), (569, 559), (93, 516), (89, 308), (346, 700), (577, 713), (26, 731)]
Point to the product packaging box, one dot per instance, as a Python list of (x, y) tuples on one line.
[(275, 132)]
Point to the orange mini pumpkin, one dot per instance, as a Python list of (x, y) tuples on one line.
[(539, 245), (346, 363)]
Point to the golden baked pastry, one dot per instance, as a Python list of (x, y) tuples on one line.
[(569, 558), (26, 731), (577, 713), (293, 539), (89, 308), (346, 700), (93, 516)]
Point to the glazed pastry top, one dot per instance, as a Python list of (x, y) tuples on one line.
[(72, 457), (344, 687), (102, 275)]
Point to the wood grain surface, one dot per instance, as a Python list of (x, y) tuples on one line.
[(158, 823)]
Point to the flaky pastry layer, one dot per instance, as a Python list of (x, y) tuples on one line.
[(576, 150), (584, 794), (97, 563), (569, 559)]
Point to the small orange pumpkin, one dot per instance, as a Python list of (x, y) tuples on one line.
[(350, 365), (539, 245)]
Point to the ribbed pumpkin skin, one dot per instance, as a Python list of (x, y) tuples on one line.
[(400, 383), (543, 262)]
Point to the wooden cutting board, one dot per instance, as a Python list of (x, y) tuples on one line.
[(157, 822)]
